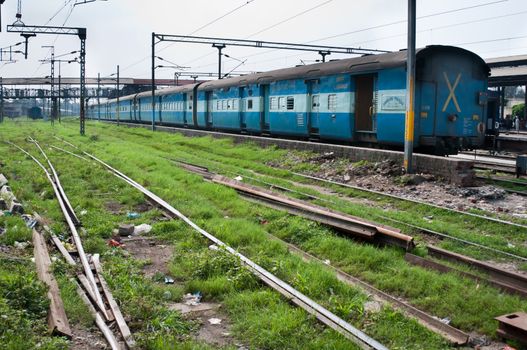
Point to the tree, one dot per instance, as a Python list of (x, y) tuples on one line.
[(518, 110)]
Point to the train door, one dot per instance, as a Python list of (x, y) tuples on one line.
[(193, 101), (313, 107), (365, 118), (209, 103), (425, 115), (241, 109), (264, 114), (185, 108), (159, 103)]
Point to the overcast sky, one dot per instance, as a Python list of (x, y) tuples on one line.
[(119, 31)]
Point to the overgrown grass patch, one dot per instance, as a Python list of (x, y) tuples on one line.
[(245, 226)]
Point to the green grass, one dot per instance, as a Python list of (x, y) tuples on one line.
[(261, 318), (23, 309)]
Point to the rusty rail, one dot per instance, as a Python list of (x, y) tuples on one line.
[(452, 334), (491, 281), (512, 279), (340, 221)]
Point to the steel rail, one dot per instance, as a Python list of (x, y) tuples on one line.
[(450, 333), (509, 288), (205, 172), (506, 277), (337, 220), (201, 169), (484, 217), (444, 235), (496, 220), (325, 316), (68, 152), (71, 212), (73, 229)]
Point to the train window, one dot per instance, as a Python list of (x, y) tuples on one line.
[(290, 103), (249, 104), (332, 102), (236, 105), (273, 104), (281, 103), (224, 105), (218, 105), (315, 103)]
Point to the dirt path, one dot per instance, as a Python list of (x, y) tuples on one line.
[(214, 325)]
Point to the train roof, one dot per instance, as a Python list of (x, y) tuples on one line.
[(356, 65), (161, 92), (367, 63)]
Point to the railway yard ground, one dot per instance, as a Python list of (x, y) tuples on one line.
[(449, 261)]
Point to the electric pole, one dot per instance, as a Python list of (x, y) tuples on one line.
[(410, 90)]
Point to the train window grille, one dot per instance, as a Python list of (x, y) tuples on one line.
[(332, 102), (281, 103), (249, 104), (224, 105), (274, 104), (290, 103), (218, 105), (315, 103), (236, 105)]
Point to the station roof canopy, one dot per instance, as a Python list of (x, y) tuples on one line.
[(507, 61), (508, 70)]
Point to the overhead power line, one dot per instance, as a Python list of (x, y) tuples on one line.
[(444, 27), (269, 27), (193, 32), (372, 27), (289, 18), (405, 21), (221, 17)]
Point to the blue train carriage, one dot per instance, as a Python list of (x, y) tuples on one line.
[(451, 99), (177, 106), (358, 100), (174, 106), (234, 104)]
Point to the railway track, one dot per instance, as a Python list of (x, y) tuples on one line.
[(491, 275), (91, 285), (203, 171), (323, 315), (452, 334)]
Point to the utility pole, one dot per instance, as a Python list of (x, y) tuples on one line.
[(410, 90), (118, 107), (324, 54), (58, 95), (219, 47), (176, 78), (99, 95), (153, 81), (52, 89), (1, 3), (31, 30), (1, 100)]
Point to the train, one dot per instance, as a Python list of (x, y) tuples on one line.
[(360, 100)]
